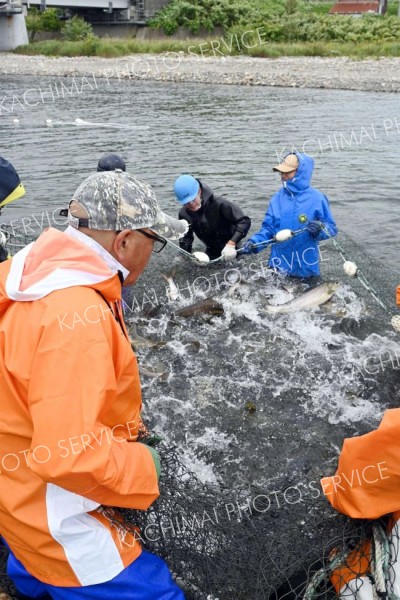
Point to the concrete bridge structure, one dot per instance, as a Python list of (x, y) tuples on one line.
[(12, 25), (134, 12)]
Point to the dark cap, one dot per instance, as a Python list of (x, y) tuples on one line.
[(110, 162), (11, 187), (115, 201)]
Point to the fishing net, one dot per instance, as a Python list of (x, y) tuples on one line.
[(374, 282), (249, 543), (19, 237), (252, 544)]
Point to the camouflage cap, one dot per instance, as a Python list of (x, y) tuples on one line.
[(114, 201)]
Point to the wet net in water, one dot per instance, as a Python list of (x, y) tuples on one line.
[(245, 544), (375, 283), (237, 545)]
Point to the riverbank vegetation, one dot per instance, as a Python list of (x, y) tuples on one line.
[(208, 14), (72, 30), (264, 28), (113, 48)]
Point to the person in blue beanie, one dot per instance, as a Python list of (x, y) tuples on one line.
[(296, 206), (11, 189), (111, 162)]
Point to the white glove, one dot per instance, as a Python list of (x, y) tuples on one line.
[(229, 252), (3, 239)]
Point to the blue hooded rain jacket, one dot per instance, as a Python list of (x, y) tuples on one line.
[(293, 207)]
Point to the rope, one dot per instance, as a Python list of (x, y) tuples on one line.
[(380, 562), (323, 574), (379, 567)]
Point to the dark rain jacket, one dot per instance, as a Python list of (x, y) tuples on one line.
[(215, 223), (293, 207)]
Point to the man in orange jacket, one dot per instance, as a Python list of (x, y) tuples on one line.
[(70, 401), (367, 486)]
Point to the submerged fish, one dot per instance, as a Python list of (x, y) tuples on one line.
[(314, 297), (157, 371), (137, 341), (209, 306), (172, 289)]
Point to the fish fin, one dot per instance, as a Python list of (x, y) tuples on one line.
[(170, 275)]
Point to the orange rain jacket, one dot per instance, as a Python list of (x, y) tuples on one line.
[(70, 404), (367, 486)]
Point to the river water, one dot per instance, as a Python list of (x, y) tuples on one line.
[(229, 136), (247, 398)]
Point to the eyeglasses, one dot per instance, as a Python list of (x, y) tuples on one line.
[(159, 242)]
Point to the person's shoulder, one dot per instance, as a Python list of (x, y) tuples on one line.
[(316, 193), (278, 195), (75, 298), (80, 312), (222, 200), (5, 266)]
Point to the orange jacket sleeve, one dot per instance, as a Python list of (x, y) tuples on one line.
[(84, 402), (398, 295), (367, 482)]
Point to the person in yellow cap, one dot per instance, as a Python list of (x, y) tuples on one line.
[(11, 189), (296, 206)]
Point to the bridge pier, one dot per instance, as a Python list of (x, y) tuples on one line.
[(13, 31)]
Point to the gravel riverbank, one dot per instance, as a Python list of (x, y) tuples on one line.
[(307, 72)]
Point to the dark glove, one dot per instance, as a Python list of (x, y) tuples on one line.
[(248, 248), (3, 254), (314, 228), (156, 460), (186, 246), (153, 440)]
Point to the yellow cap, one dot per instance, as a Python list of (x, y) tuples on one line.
[(17, 193), (290, 163)]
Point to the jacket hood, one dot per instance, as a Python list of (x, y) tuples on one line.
[(206, 193), (55, 261), (302, 180)]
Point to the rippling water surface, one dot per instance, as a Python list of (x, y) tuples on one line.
[(229, 136)]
